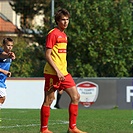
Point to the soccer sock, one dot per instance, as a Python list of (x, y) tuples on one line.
[(73, 112), (45, 113)]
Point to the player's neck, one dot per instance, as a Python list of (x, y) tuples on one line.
[(62, 30)]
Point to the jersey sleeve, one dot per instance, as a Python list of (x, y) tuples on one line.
[(50, 40)]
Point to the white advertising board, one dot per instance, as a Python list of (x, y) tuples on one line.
[(24, 93)]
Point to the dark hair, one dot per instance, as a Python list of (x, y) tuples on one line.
[(61, 12), (6, 40)]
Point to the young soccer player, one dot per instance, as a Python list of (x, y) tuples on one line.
[(6, 57), (56, 74)]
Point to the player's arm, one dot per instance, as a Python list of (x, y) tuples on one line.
[(51, 62), (4, 55), (5, 72)]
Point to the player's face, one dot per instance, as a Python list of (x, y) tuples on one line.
[(8, 47), (63, 22)]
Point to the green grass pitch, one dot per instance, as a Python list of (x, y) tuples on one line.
[(90, 120)]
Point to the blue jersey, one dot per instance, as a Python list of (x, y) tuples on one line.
[(5, 65)]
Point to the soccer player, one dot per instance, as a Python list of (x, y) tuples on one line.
[(56, 74), (6, 57)]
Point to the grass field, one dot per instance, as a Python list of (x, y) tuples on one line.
[(92, 121)]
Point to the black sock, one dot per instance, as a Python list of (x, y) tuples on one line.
[(58, 99)]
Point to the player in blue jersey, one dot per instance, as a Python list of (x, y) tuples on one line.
[(6, 57)]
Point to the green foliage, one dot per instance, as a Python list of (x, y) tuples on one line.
[(99, 36), (29, 60)]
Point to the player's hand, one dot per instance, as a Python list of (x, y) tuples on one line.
[(9, 74), (60, 76), (11, 55)]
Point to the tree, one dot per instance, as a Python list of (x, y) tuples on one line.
[(100, 38), (28, 9), (30, 57), (29, 60)]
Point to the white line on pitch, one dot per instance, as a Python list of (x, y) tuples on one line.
[(31, 125)]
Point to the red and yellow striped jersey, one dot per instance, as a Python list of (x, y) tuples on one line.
[(57, 41)]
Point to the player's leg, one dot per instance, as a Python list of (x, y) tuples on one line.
[(49, 91), (0, 107), (73, 110), (70, 88), (73, 107), (59, 94), (2, 95), (2, 98), (45, 110)]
